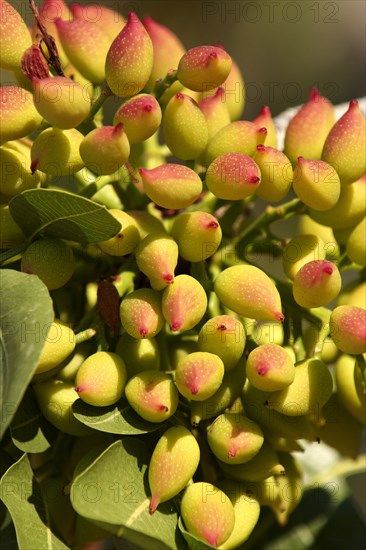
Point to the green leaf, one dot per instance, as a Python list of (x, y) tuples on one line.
[(64, 215), (30, 431), (21, 493), (117, 419), (192, 542), (112, 490), (25, 314)]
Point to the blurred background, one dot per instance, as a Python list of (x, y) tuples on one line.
[(283, 48)]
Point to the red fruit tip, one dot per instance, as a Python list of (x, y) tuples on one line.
[(261, 148), (194, 389), (328, 269), (253, 179), (353, 104), (132, 17), (263, 131), (118, 129), (148, 108), (262, 369), (168, 278), (231, 453), (314, 94), (265, 110), (33, 166), (153, 504), (279, 317), (220, 92), (211, 55), (120, 236), (78, 389), (300, 160), (175, 327), (163, 408), (143, 332), (143, 171), (221, 327), (213, 225), (179, 96)]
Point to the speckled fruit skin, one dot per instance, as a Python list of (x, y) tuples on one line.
[(237, 137), (199, 375), (129, 60), (248, 291), (216, 112), (265, 120), (138, 354), (184, 303), (171, 185), (59, 344), (316, 284), (356, 244), (300, 250), (348, 329), (225, 336), (18, 115), (198, 235), (345, 145), (140, 116), (140, 313), (316, 183), (101, 379), (276, 173), (15, 37), (207, 513), (105, 149), (234, 439), (173, 463), (348, 379), (56, 152), (270, 368), (185, 127), (126, 240), (204, 68), (51, 260), (233, 176), (15, 173), (308, 129), (157, 258), (60, 101), (153, 395)]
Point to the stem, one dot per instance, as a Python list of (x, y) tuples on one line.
[(198, 271), (85, 335), (162, 85), (92, 188), (54, 59), (13, 254), (98, 103)]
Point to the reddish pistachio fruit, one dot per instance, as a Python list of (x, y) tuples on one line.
[(153, 395), (198, 235), (48, 13), (248, 291), (199, 375), (348, 329), (234, 439), (223, 335), (129, 60), (141, 314), (185, 127), (56, 152), (107, 19), (14, 37), (86, 45), (207, 513), (157, 258), (105, 149), (61, 101), (349, 210), (308, 129), (264, 119), (216, 112), (126, 240), (345, 145), (184, 303), (204, 68), (168, 51), (270, 368), (316, 183), (237, 137), (316, 284), (173, 463), (18, 115), (171, 186), (15, 170), (276, 173), (140, 116), (233, 176)]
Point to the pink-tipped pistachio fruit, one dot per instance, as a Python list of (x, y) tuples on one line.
[(14, 37), (199, 375), (141, 314), (348, 329), (270, 368), (237, 137), (316, 183), (233, 176), (126, 239), (198, 235), (18, 115), (56, 152), (157, 258), (104, 150), (276, 173), (216, 112), (140, 116), (265, 120), (316, 284), (223, 335), (300, 250), (204, 68), (184, 303)]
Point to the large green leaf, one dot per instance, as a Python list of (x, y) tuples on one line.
[(117, 419), (30, 431), (64, 215), (113, 491), (25, 314), (22, 495)]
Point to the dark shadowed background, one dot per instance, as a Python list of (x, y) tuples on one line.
[(283, 48)]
